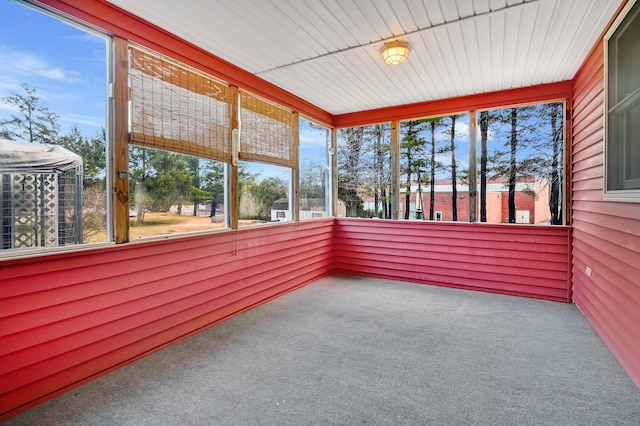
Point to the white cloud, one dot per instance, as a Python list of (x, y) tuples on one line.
[(8, 107), (313, 137), (443, 159), (15, 63), (83, 119), (462, 131)]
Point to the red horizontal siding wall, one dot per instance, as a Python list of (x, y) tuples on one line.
[(67, 319), (529, 261), (606, 235)]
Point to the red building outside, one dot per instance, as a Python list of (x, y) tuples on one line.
[(532, 201)]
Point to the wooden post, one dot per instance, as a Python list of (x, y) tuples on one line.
[(567, 181), (120, 105), (234, 137), (395, 170), (473, 166), (333, 153)]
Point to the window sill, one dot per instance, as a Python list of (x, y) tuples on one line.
[(28, 253), (628, 196)]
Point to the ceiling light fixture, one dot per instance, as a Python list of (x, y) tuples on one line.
[(395, 52)]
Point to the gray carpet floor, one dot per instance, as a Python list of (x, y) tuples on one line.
[(351, 351)]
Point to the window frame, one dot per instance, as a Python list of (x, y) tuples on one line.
[(613, 154), (198, 83), (393, 185), (565, 146), (108, 39), (560, 98), (289, 217), (328, 195)]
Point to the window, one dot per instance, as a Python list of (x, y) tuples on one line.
[(518, 161), (519, 166), (434, 168), (315, 171), (173, 193), (181, 152), (181, 149), (263, 193), (364, 171), (520, 170), (267, 144), (622, 50), (52, 180), (179, 146), (267, 132), (176, 108)]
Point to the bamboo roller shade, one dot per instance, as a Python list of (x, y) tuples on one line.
[(178, 109), (267, 132)]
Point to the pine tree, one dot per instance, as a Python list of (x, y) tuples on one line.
[(34, 122)]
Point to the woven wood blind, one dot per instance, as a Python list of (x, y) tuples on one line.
[(267, 132), (176, 108)]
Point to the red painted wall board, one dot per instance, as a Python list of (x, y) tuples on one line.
[(173, 263), (166, 316), (606, 240), (616, 270), (628, 210), (458, 254), (624, 344), (453, 272), (162, 285), (443, 251), (612, 260), (112, 334), (124, 305), (93, 323)]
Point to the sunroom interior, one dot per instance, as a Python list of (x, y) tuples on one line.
[(257, 70)]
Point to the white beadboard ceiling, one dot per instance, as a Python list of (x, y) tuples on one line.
[(327, 52)]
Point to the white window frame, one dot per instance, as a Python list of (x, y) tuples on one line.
[(328, 193), (628, 195)]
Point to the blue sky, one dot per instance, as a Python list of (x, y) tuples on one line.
[(65, 65), (313, 143), (313, 149), (444, 140)]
